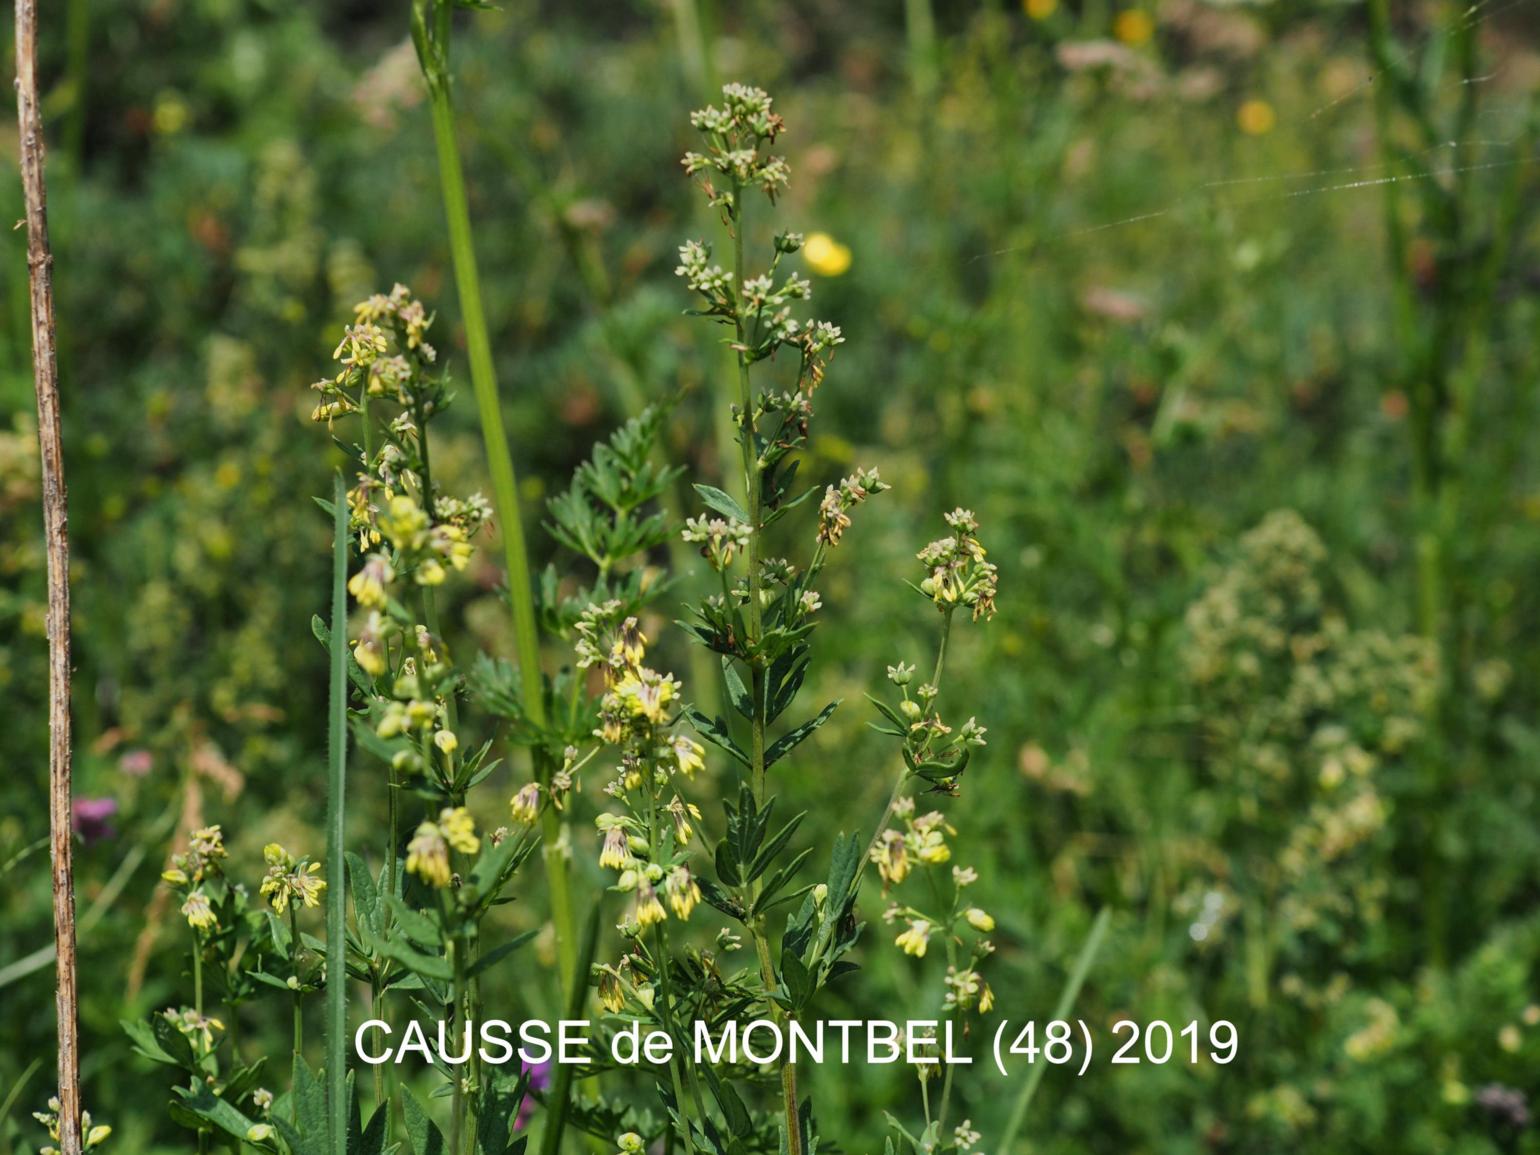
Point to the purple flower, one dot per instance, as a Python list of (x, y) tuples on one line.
[(539, 1080), (136, 763), (93, 819)]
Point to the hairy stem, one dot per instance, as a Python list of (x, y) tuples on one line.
[(457, 1102), (336, 894)]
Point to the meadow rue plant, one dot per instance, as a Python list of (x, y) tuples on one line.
[(759, 623)]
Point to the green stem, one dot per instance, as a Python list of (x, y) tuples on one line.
[(336, 893), (457, 1103), (294, 949), (903, 773), (752, 480), (433, 47)]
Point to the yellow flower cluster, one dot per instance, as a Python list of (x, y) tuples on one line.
[(636, 715), (290, 881), (427, 854), (959, 575), (923, 840)]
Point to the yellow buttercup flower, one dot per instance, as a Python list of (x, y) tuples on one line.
[(825, 255), (1256, 117), (1134, 27)]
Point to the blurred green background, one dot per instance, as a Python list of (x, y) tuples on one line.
[(1233, 356)]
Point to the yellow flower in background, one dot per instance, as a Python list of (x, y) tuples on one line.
[(1040, 9), (825, 255), (1256, 117), (1134, 27)]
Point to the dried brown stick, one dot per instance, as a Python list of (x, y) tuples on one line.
[(45, 368)]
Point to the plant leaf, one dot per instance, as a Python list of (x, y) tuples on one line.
[(790, 740)]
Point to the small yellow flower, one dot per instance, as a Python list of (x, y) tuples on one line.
[(914, 940), (174, 876), (1040, 9), (1134, 27), (689, 754), (980, 920), (1256, 117), (986, 1000), (825, 255), (199, 912), (369, 656), (459, 830), (430, 573), (615, 853), (306, 886), (368, 584), (646, 910), (427, 855), (525, 805), (932, 848), (404, 523), (892, 857), (612, 996), (446, 741), (683, 892)]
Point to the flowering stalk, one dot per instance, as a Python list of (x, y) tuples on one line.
[(431, 28), (760, 623)]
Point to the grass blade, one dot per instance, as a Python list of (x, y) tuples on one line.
[(1067, 997)]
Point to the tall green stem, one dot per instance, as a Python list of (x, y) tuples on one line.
[(457, 1103), (752, 480), (431, 31), (336, 893)]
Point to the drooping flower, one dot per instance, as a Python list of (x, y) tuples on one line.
[(427, 855), (459, 829), (682, 890), (526, 804), (915, 939), (199, 911)]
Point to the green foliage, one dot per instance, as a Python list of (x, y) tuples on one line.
[(1250, 447)]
